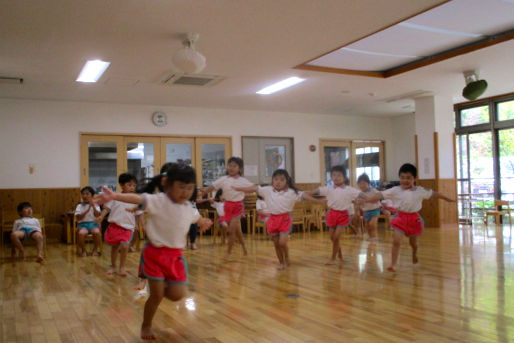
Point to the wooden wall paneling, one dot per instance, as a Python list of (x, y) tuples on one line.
[(430, 210), (51, 203), (447, 211)]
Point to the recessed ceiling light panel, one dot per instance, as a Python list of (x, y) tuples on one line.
[(92, 71), (281, 85)]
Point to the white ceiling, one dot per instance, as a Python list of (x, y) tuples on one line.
[(250, 43)]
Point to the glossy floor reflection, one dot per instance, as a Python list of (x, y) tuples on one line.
[(462, 290)]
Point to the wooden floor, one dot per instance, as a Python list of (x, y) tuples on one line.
[(462, 290)]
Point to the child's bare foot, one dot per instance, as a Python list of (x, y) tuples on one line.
[(110, 271), (40, 259), (147, 334), (23, 255), (414, 259), (194, 246), (122, 272), (330, 263), (83, 254), (281, 267), (132, 249), (95, 253), (141, 285), (391, 268)]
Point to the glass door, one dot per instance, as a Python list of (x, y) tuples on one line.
[(178, 150), (481, 173), (100, 165), (333, 153), (142, 156), (506, 154), (368, 157), (211, 156)]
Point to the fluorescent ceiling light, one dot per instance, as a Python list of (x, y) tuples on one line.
[(436, 30), (281, 85), (92, 71), (377, 53)]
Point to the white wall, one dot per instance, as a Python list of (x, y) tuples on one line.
[(444, 115), (46, 134), (403, 129), (425, 128)]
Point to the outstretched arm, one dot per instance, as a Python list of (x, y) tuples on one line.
[(248, 189), (437, 195), (204, 224), (361, 199), (309, 197), (109, 195)]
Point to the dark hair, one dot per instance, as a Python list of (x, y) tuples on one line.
[(89, 189), (126, 178), (151, 184), (23, 205), (238, 161), (408, 168), (363, 177), (341, 169), (219, 193), (289, 179), (180, 173)]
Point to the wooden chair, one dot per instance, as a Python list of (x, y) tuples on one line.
[(257, 224), (8, 218), (498, 212), (386, 220), (89, 237), (298, 216), (312, 217)]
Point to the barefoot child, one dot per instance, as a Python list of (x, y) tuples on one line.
[(234, 207), (407, 199), (340, 202), (86, 213), (371, 210), (122, 224), (27, 227), (280, 199), (169, 216)]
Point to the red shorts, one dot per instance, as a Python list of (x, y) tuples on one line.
[(233, 209), (410, 224), (337, 218), (163, 264), (279, 224), (116, 234)]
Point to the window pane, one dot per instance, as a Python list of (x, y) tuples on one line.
[(474, 116), (275, 158), (102, 165), (334, 156), (213, 163), (481, 163), (506, 139), (140, 160), (505, 110), (462, 157), (368, 161), (178, 153)]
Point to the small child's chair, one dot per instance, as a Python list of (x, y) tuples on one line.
[(89, 237), (498, 212)]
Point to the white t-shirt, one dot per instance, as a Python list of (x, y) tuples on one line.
[(368, 206), (30, 222), (90, 215), (339, 198), (407, 200), (120, 216), (279, 202), (167, 222), (227, 182), (260, 206), (220, 207)]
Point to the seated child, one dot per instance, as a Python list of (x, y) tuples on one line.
[(27, 227), (86, 213)]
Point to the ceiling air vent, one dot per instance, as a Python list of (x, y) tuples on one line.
[(192, 80)]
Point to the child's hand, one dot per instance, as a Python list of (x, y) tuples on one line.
[(204, 224), (99, 219), (104, 197)]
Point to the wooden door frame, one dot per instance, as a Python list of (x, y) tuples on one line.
[(226, 141)]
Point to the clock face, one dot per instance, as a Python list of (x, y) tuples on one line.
[(159, 119)]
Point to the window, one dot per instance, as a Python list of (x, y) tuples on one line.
[(474, 116), (505, 110)]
